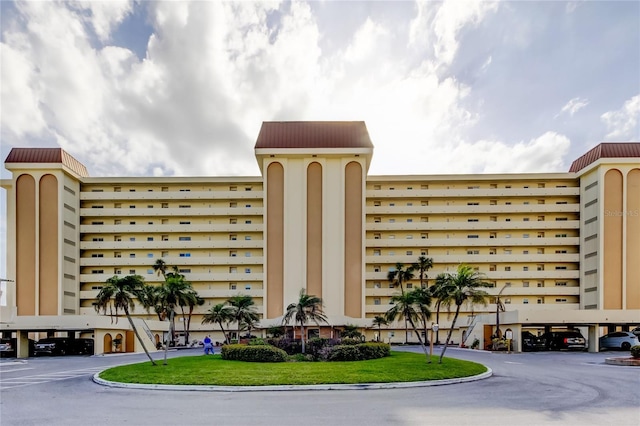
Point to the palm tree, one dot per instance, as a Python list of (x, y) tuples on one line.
[(307, 308), (172, 293), (190, 301), (422, 266), (243, 310), (398, 276), (119, 293), (403, 306), (160, 267), (150, 299), (351, 331), (219, 314), (440, 291), (422, 300), (379, 321), (464, 287)]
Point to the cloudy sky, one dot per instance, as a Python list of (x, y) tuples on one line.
[(181, 88)]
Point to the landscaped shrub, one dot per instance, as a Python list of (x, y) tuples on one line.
[(317, 347), (344, 353), (350, 341), (360, 352), (257, 341), (635, 351), (255, 353), (290, 346)]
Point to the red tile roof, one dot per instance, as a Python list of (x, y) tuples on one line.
[(46, 155), (313, 134), (606, 150)]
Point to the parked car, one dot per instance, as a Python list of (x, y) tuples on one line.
[(619, 340), (53, 346), (636, 331), (531, 342), (569, 339), (8, 347), (82, 346)]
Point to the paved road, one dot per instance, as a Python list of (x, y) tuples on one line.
[(526, 389)]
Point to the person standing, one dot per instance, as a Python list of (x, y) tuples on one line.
[(208, 346)]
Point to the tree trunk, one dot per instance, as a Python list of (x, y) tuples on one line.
[(455, 318), (135, 330), (170, 336), (424, 348), (438, 322), (302, 335)]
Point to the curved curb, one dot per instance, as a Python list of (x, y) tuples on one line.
[(634, 362), (359, 386)]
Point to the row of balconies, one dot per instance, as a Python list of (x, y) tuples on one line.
[(508, 291), (240, 276), (172, 260), (455, 258), (490, 308), (172, 195), (206, 294), (472, 193), (475, 242), (553, 274), (473, 209), (145, 212), (171, 228), (200, 310), (480, 225), (173, 245)]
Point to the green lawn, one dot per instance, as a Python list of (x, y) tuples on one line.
[(213, 370)]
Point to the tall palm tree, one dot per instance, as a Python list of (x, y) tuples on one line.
[(189, 301), (172, 292), (440, 291), (160, 267), (403, 306), (379, 321), (150, 299), (119, 293), (422, 300), (243, 310), (400, 275), (219, 314), (397, 277), (307, 308), (422, 266), (465, 286)]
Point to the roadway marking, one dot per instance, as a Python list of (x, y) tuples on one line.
[(513, 362), (4, 370), (9, 383)]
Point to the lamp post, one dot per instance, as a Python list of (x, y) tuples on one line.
[(434, 328)]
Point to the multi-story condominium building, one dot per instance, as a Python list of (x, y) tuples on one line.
[(558, 248)]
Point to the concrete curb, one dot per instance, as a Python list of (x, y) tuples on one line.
[(629, 361), (359, 386)]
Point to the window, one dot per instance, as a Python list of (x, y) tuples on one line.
[(560, 268), (132, 207), (233, 205), (376, 301), (525, 301), (392, 204), (247, 286), (247, 237), (424, 236), (376, 284), (149, 238), (97, 271), (409, 253), (184, 271), (376, 252), (472, 220), (392, 221), (247, 222), (233, 221), (132, 238), (473, 204), (376, 268), (132, 255), (376, 236), (247, 270), (184, 238), (132, 223), (561, 283), (165, 254), (149, 254), (232, 286), (233, 253), (409, 220), (98, 239), (132, 271), (117, 254), (376, 203), (525, 268), (233, 270), (525, 284), (233, 188), (247, 254), (376, 220), (184, 206), (561, 300), (233, 237), (185, 222), (409, 285), (507, 268), (185, 254), (473, 251), (247, 205), (165, 238), (472, 236), (97, 255), (165, 205)]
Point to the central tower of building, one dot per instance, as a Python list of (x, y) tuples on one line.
[(314, 179)]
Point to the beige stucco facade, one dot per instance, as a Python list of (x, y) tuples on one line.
[(554, 243)]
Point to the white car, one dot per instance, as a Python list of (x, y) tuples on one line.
[(619, 340)]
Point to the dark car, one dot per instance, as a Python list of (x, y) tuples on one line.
[(82, 346), (8, 347), (531, 342), (571, 339), (53, 346)]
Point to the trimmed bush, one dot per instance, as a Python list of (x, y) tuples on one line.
[(635, 351), (290, 346), (360, 352), (350, 341), (255, 353)]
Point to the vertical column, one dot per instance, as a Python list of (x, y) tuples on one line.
[(353, 240), (275, 240), (26, 245), (48, 244), (314, 229), (612, 239), (632, 216)]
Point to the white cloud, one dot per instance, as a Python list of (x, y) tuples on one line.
[(573, 106), (623, 123), (104, 15)]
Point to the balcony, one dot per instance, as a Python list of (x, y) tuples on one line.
[(157, 195), (142, 211)]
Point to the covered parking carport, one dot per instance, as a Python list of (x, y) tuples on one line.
[(102, 329), (548, 319)]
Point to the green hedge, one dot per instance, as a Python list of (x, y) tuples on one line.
[(256, 353), (635, 351), (360, 352)]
